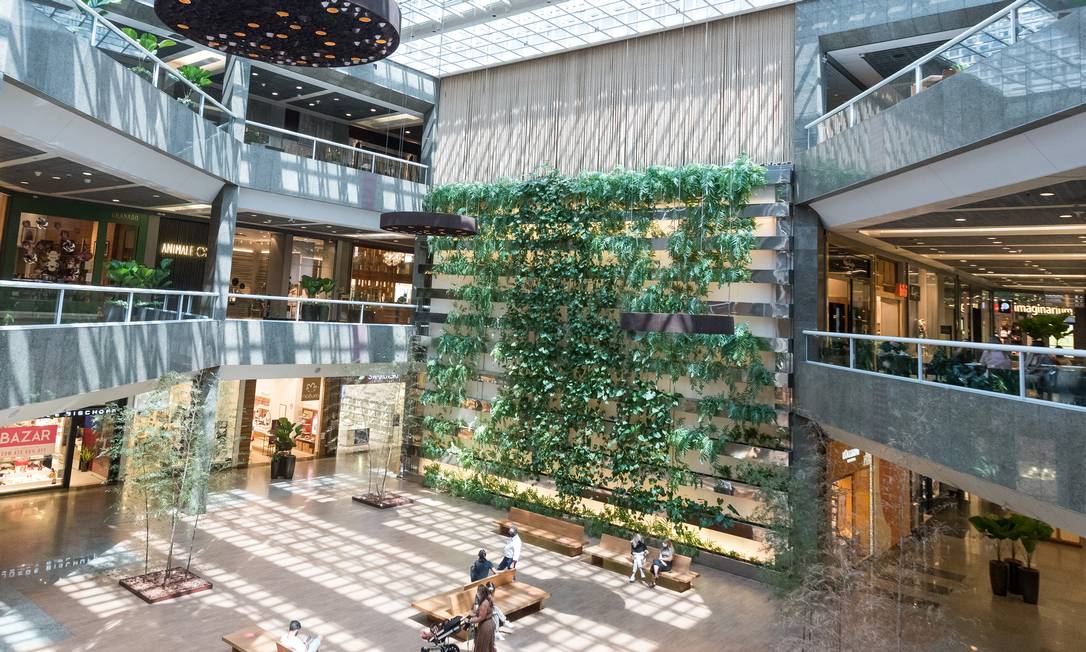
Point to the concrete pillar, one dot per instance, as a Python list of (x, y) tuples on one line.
[(1080, 328), (206, 388), (222, 228), (235, 93)]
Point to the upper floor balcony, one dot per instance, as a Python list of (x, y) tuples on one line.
[(1020, 68), (1006, 421)]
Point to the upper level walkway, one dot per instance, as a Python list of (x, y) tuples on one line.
[(1006, 113), (1006, 422)]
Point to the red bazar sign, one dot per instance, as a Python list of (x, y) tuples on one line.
[(28, 441)]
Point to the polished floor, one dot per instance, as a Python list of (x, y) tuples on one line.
[(303, 550)]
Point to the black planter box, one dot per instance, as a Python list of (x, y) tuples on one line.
[(662, 322), (1029, 581), (314, 312), (1014, 584), (999, 576), (282, 467)]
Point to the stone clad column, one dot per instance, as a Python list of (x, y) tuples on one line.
[(222, 228)]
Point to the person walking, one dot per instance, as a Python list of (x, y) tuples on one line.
[(512, 550), (482, 616), (638, 550)]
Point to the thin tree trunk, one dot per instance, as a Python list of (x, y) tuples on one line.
[(192, 541), (146, 533)]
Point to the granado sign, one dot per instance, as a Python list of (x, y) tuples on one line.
[(31, 441)]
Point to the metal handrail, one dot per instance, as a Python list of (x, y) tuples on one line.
[(159, 63), (1007, 348), (104, 289), (1006, 11), (361, 305), (184, 297), (315, 139)]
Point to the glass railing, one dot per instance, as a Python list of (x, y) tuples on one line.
[(998, 32), (1049, 375), (319, 149), (273, 308), (25, 304), (90, 24)]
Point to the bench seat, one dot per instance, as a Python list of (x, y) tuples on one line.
[(546, 532), (252, 639), (514, 598), (613, 553)]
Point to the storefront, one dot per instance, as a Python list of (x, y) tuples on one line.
[(59, 451), (65, 241), (872, 502)]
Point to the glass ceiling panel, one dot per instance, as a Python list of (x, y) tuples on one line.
[(446, 37)]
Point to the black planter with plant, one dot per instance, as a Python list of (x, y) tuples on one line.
[(1030, 533), (313, 287), (998, 529), (282, 464)]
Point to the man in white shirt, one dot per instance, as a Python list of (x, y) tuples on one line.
[(512, 550), (295, 641)]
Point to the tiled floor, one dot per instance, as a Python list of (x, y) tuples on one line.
[(303, 550)]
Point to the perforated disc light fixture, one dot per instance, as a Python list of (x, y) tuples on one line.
[(311, 33), (420, 223)]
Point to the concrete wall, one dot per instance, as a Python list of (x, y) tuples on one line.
[(254, 342), (1036, 80), (1033, 450)]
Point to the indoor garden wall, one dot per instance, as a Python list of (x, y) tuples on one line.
[(577, 404)]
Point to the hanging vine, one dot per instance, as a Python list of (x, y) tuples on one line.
[(581, 401)]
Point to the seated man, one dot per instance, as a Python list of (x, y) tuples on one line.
[(295, 641)]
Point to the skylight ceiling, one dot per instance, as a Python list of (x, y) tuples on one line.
[(446, 37)]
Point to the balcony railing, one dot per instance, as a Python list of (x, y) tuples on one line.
[(335, 311), (1054, 377), (994, 34), (88, 23), (30, 304)]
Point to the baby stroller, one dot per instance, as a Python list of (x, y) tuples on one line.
[(437, 638)]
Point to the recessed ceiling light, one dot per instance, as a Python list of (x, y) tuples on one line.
[(959, 219), (373, 110), (298, 87), (348, 115), (87, 174), (25, 183), (991, 237), (256, 74), (335, 99), (312, 104), (274, 93), (115, 201), (961, 260), (1065, 215), (1048, 194)]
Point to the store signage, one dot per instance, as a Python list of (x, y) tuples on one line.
[(902, 290), (311, 389), (1043, 310), (850, 454), (95, 411), (1004, 307), (28, 441), (183, 250), (385, 378)]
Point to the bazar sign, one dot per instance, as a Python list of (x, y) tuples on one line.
[(30, 441)]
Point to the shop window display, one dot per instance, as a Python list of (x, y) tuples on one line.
[(56, 249), (32, 455)]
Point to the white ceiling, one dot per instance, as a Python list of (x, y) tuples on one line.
[(446, 37)]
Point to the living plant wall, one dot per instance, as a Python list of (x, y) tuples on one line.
[(581, 401)]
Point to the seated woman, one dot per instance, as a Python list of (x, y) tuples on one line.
[(662, 563), (638, 551)]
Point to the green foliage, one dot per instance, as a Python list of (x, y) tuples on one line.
[(131, 274), (994, 527), (284, 432), (1045, 327), (195, 75), (955, 371), (149, 42), (1030, 532), (581, 401), (314, 286)]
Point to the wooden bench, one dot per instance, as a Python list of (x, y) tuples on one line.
[(253, 639), (513, 598), (613, 553), (546, 532)]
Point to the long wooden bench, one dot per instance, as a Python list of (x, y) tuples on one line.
[(514, 598), (613, 553), (546, 532), (253, 639)]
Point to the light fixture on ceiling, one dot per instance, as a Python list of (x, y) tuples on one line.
[(959, 219), (393, 258), (1048, 194), (1065, 216), (87, 174), (359, 31)]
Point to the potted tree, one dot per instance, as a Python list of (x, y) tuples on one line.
[(282, 465), (86, 456), (1016, 528), (1031, 532), (148, 42), (995, 528), (1045, 327), (196, 76), (314, 286)]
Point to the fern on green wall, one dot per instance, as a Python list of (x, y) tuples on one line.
[(583, 402)]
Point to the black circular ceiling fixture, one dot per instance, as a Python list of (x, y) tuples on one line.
[(311, 33), (420, 223)]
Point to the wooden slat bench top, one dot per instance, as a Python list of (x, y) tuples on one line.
[(553, 525), (252, 639), (511, 596), (552, 533)]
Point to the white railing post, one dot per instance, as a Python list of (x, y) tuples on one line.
[(180, 305), (94, 28), (919, 79), (60, 307), (314, 156), (920, 362), (1022, 374), (362, 314), (203, 99), (851, 353), (128, 310), (852, 114), (154, 75), (298, 312)]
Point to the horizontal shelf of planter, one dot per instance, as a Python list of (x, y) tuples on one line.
[(664, 322)]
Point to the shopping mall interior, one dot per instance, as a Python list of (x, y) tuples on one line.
[(710, 325)]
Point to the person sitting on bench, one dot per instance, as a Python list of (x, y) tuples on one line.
[(295, 641), (638, 550), (481, 568), (663, 561)]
